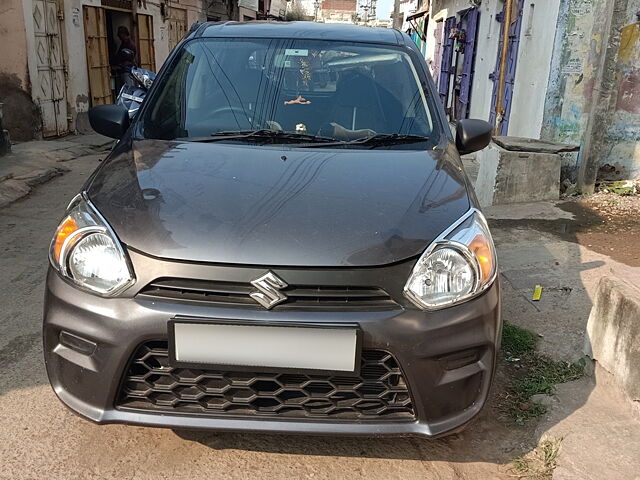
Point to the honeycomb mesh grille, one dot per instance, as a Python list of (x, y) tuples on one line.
[(378, 393)]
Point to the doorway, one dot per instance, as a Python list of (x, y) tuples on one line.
[(49, 85), (177, 26), (465, 62), (456, 67), (104, 63)]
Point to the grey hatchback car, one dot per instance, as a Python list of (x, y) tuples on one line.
[(283, 239)]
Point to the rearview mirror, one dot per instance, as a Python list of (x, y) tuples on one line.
[(109, 120), (472, 135)]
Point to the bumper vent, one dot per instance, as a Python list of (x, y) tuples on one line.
[(378, 393), (233, 294)]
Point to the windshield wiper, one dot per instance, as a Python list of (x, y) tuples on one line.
[(259, 134), (380, 139)]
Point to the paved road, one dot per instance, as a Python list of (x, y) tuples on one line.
[(40, 438)]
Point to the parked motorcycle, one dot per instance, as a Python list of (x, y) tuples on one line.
[(135, 88)]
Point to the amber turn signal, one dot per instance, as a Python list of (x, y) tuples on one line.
[(482, 250), (66, 228)]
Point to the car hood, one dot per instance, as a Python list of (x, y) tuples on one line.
[(277, 205)]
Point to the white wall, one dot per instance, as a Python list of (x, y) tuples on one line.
[(534, 62)]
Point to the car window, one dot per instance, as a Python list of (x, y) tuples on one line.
[(333, 89)]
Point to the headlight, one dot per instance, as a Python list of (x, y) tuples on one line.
[(85, 250), (457, 266)]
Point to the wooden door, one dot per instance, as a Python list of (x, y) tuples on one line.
[(177, 26), (147, 53), (49, 83), (95, 35)]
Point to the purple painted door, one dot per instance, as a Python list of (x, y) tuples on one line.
[(471, 18), (445, 65), (512, 61)]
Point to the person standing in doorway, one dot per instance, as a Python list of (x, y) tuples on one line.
[(125, 57)]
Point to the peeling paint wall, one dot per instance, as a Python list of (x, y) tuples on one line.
[(624, 133), (580, 43)]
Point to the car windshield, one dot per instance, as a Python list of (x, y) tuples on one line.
[(324, 91)]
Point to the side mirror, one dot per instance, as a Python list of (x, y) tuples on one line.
[(109, 120), (472, 135)]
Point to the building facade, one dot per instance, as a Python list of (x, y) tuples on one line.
[(63, 54), (569, 72), (338, 11)]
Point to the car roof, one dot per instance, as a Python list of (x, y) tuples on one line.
[(301, 30)]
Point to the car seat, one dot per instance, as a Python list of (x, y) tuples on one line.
[(356, 103)]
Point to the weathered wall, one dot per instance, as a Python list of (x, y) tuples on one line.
[(580, 44), (623, 145), (21, 116), (12, 32), (406, 8)]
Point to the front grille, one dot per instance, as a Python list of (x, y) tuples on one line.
[(236, 294), (378, 393)]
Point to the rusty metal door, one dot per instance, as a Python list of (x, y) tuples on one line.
[(49, 83), (177, 26), (145, 42), (95, 35)]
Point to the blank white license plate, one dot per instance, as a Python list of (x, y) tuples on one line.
[(332, 349)]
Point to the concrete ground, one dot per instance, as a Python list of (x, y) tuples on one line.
[(32, 163), (40, 438)]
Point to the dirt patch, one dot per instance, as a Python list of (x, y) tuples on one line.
[(604, 222), (538, 464), (609, 224)]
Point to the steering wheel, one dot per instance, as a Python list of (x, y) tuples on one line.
[(239, 114), (231, 109)]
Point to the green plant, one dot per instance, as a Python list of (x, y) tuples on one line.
[(532, 373), (517, 341), (544, 373)]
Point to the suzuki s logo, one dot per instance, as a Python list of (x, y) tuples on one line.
[(269, 286)]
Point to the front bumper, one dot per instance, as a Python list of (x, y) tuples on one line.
[(447, 391)]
